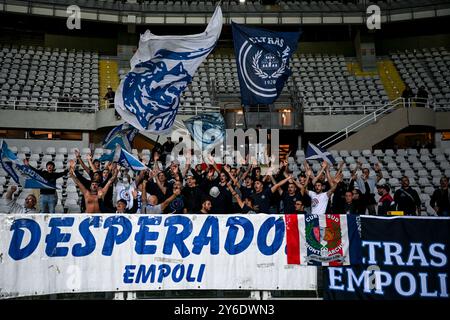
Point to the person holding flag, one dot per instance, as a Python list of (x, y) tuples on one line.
[(48, 197), (319, 198), (28, 177)]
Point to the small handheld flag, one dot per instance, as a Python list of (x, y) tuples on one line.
[(126, 159), (314, 152), (123, 135), (22, 174)]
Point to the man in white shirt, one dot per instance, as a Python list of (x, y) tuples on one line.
[(28, 207), (319, 199)]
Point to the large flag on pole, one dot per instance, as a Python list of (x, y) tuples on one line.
[(206, 129), (123, 135), (162, 67), (314, 152), (262, 58), (22, 174)]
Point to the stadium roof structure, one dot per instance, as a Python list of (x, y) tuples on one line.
[(249, 12)]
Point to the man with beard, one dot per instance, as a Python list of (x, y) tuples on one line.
[(319, 198), (386, 202)]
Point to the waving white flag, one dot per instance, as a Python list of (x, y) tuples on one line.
[(162, 67)]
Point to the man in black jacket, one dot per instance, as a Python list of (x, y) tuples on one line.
[(193, 195), (407, 199), (48, 197), (440, 200)]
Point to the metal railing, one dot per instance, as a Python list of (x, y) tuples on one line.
[(342, 109), (55, 104), (364, 121)]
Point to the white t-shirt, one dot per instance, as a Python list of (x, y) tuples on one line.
[(319, 202)]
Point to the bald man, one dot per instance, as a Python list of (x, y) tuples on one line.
[(28, 207)]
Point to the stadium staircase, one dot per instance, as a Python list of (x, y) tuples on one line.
[(108, 76), (375, 127), (389, 76), (355, 69)]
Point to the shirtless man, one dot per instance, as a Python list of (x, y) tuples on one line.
[(94, 194)]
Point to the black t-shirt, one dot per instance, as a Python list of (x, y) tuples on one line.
[(193, 199), (247, 209), (289, 201), (262, 200), (51, 178), (348, 208), (246, 192), (176, 206), (222, 203), (168, 146), (153, 189), (407, 200)]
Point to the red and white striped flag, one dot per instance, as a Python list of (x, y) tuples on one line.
[(323, 240)]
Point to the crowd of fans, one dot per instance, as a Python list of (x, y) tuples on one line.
[(223, 189)]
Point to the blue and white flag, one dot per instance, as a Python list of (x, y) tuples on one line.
[(314, 152), (206, 129), (126, 159), (122, 135), (262, 58), (22, 174), (149, 95)]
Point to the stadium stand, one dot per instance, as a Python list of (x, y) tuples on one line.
[(424, 168), (429, 68), (37, 78), (245, 6)]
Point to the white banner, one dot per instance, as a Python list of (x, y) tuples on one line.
[(63, 253)]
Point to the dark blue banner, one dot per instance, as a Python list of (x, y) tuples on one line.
[(262, 58), (403, 258)]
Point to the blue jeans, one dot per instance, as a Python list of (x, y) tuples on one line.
[(48, 203)]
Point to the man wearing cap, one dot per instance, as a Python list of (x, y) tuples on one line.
[(386, 202), (48, 197)]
